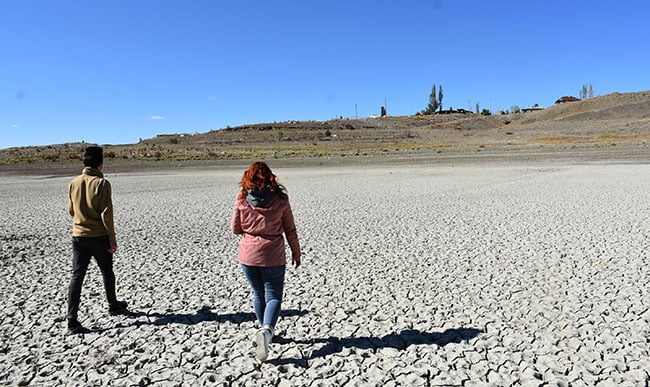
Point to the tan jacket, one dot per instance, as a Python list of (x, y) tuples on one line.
[(91, 206)]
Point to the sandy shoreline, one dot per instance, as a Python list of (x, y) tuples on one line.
[(636, 153), (527, 271)]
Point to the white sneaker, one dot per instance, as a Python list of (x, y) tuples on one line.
[(263, 339)]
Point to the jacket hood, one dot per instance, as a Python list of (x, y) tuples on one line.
[(92, 172), (261, 198)]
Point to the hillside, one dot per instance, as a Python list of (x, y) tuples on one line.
[(604, 121)]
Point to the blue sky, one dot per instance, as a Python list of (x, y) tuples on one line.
[(116, 71)]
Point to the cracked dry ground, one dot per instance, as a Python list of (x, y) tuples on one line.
[(528, 274)]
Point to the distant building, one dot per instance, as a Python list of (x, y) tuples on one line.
[(533, 108), (566, 99), (452, 111)]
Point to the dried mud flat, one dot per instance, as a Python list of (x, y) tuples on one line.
[(528, 273)]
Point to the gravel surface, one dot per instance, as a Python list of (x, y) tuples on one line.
[(487, 274)]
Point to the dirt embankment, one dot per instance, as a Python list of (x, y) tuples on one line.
[(591, 125)]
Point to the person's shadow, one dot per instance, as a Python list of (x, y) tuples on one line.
[(204, 314), (399, 341)]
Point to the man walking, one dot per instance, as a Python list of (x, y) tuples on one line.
[(93, 234)]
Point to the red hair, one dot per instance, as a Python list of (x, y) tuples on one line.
[(259, 176)]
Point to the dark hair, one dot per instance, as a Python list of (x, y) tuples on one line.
[(93, 156), (259, 176)]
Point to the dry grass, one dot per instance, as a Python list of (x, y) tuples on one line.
[(605, 138)]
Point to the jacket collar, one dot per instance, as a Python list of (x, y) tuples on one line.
[(92, 172)]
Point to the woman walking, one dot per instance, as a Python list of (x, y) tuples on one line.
[(262, 215)]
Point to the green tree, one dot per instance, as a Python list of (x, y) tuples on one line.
[(440, 97), (433, 102)]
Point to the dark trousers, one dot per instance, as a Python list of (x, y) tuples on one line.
[(83, 248)]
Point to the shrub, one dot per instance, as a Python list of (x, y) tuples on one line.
[(50, 156)]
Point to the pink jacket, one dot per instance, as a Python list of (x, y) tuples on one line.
[(262, 243)]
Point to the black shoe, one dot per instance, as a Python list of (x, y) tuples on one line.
[(118, 308), (75, 328)]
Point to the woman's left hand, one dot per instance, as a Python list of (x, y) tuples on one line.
[(295, 259)]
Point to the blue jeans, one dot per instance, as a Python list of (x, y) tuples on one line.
[(267, 284), (83, 248)]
